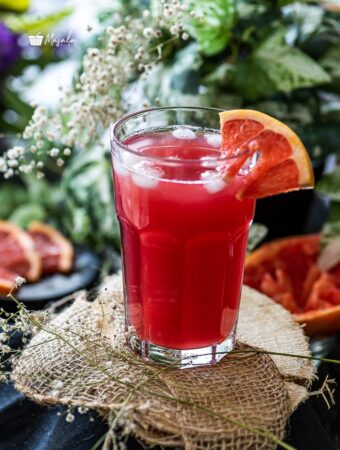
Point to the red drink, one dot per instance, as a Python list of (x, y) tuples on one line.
[(184, 235)]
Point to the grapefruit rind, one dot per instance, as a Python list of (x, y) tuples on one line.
[(299, 152), (6, 284), (27, 245), (66, 248), (325, 321), (270, 249)]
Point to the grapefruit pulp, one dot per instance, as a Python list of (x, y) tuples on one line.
[(17, 256), (286, 270), (276, 156), (55, 251)]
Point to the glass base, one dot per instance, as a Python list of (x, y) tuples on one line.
[(182, 359)]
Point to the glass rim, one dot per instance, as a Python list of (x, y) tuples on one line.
[(115, 127)]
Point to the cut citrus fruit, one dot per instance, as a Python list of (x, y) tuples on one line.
[(7, 281), (271, 158), (55, 251), (286, 270), (17, 252)]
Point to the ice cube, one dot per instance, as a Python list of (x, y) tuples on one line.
[(119, 168), (130, 159), (214, 140), (215, 186), (146, 175), (208, 161), (184, 133), (212, 181)]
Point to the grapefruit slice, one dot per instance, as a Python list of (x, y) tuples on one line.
[(271, 158), (17, 253), (7, 281), (55, 251), (286, 270)]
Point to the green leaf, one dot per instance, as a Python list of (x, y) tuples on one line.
[(214, 32), (330, 62), (11, 196), (320, 138), (80, 224), (248, 10), (331, 228), (330, 185), (330, 111), (305, 20), (32, 24), (25, 213), (87, 184), (13, 101), (174, 81), (257, 233), (221, 76), (276, 67)]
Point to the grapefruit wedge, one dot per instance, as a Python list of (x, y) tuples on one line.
[(56, 252), (17, 255), (286, 270), (266, 154), (7, 281)]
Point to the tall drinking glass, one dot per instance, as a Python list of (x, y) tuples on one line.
[(183, 233)]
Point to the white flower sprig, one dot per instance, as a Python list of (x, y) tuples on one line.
[(127, 50)]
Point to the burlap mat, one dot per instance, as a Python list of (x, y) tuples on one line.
[(82, 360)]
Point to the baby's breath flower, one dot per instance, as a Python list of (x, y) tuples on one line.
[(27, 134), (9, 173), (50, 135), (70, 417), (90, 105), (5, 349), (19, 281), (41, 111), (3, 165), (148, 32), (15, 152), (40, 175), (54, 152), (168, 11), (4, 337), (110, 30), (25, 168), (13, 163), (82, 410), (3, 378)]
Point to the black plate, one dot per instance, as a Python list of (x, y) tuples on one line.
[(85, 270)]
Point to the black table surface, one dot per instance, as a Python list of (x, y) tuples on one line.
[(25, 425)]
